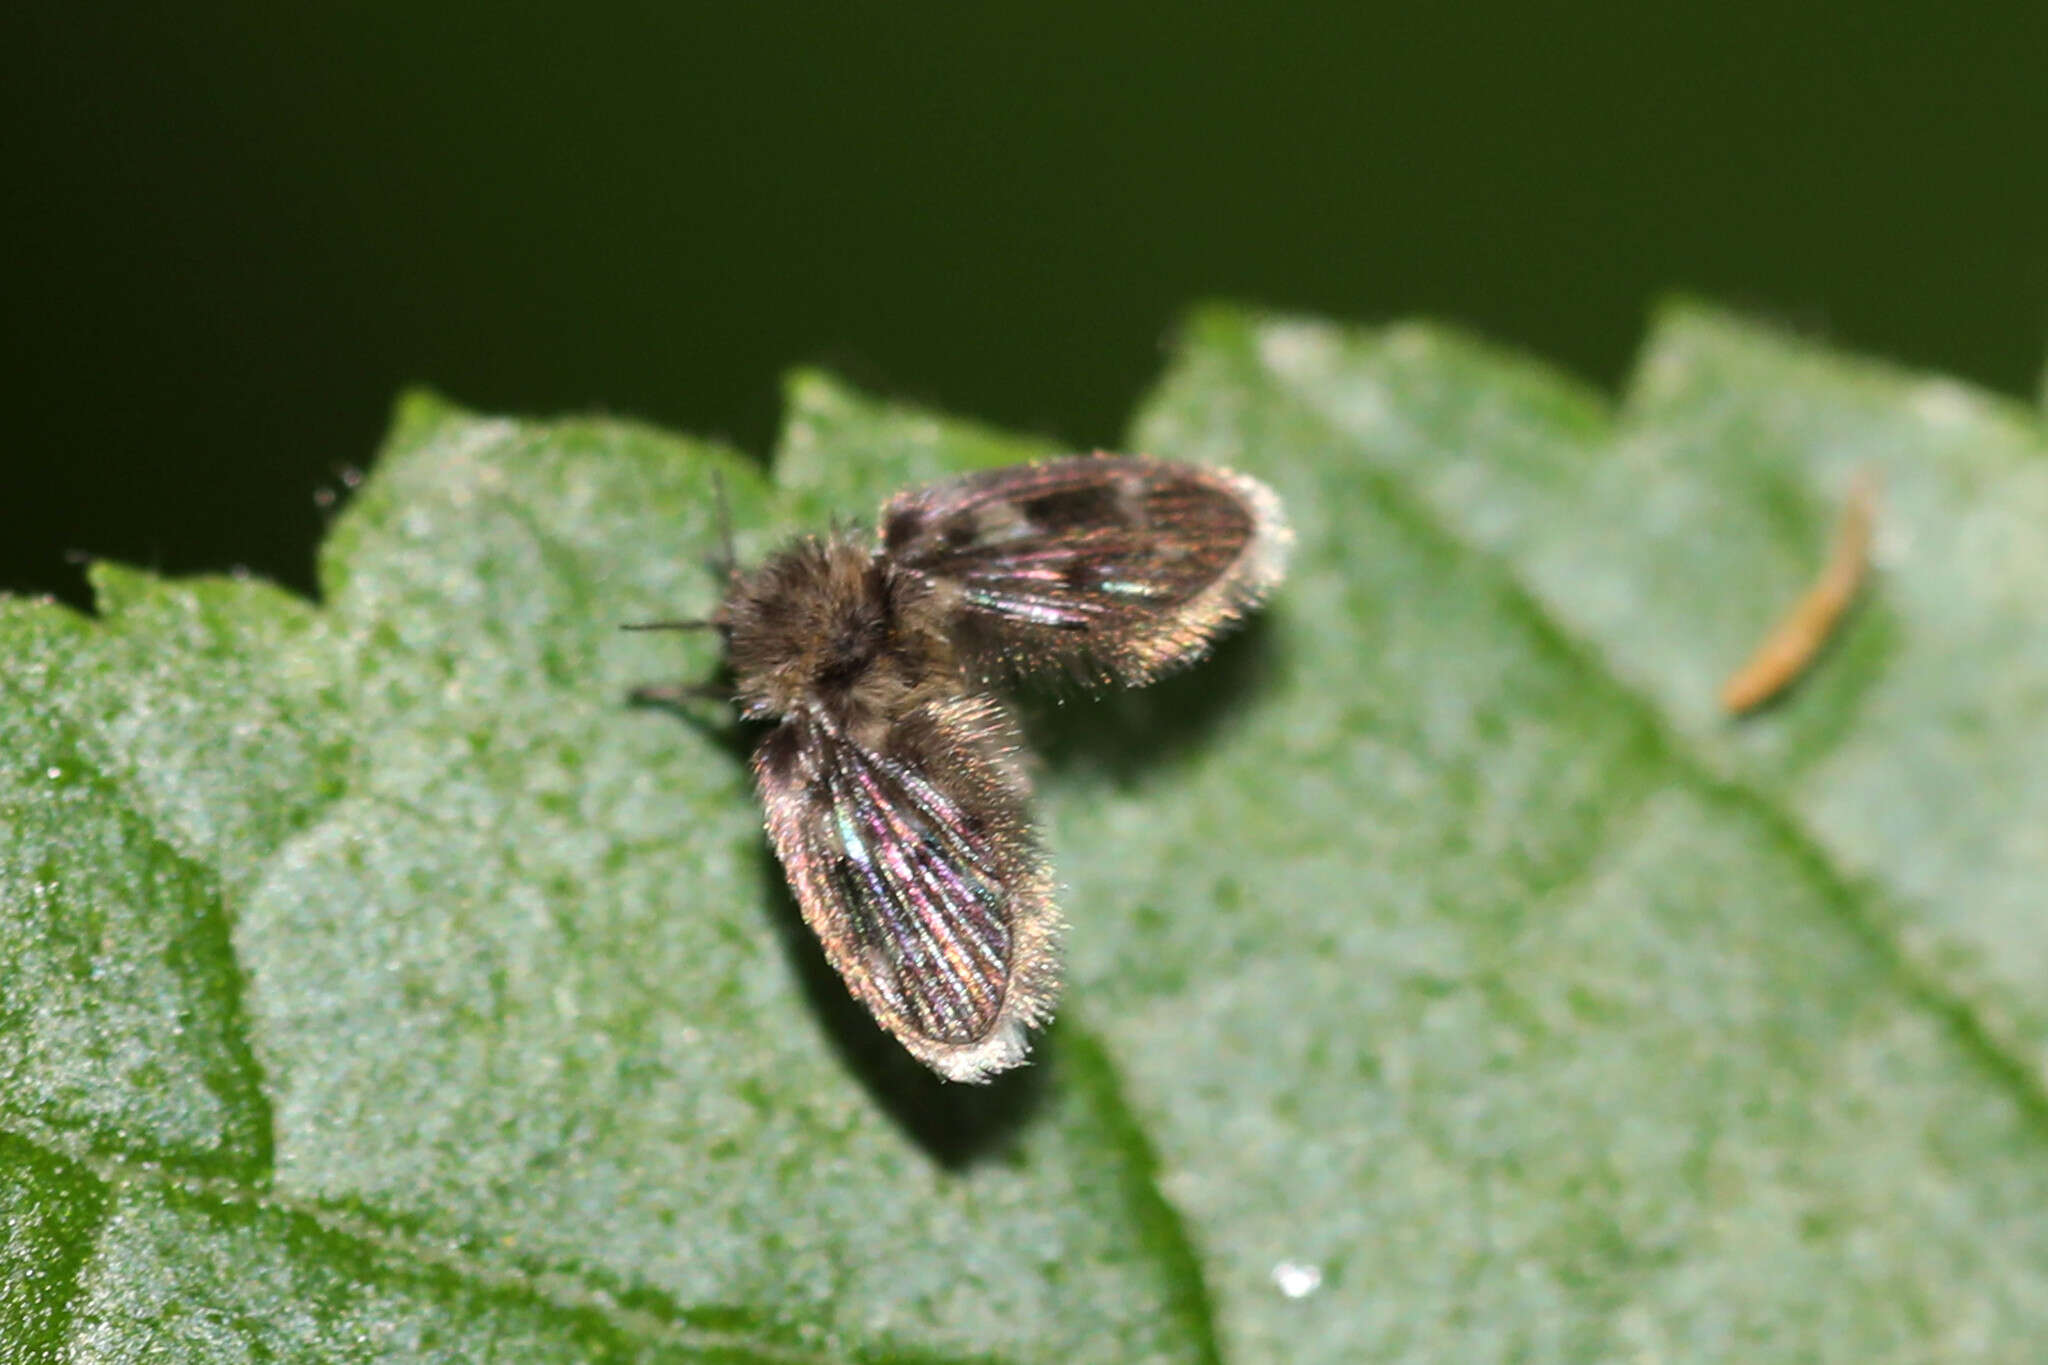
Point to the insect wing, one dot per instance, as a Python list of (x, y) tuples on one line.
[(1110, 566), (919, 872)]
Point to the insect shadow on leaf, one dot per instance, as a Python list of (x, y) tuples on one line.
[(1130, 732), (958, 1126)]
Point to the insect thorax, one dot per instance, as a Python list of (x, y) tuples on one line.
[(831, 627)]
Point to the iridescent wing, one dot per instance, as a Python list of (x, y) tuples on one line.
[(1106, 566), (915, 863)]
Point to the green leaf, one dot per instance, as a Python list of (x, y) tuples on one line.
[(1449, 979)]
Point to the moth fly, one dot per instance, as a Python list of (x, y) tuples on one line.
[(892, 781)]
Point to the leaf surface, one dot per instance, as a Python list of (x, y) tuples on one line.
[(1448, 979)]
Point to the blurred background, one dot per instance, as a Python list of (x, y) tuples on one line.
[(235, 230)]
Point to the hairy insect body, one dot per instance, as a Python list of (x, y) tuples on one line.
[(891, 779), (892, 785), (831, 627)]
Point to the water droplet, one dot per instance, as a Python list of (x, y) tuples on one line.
[(1298, 1279)]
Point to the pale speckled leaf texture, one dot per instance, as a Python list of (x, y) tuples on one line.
[(1449, 978)]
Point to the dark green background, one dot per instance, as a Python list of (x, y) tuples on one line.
[(234, 230)]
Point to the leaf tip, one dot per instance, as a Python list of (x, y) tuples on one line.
[(115, 586), (1679, 308), (1216, 325), (417, 411), (809, 389)]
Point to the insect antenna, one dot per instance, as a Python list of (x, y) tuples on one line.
[(685, 623), (676, 694), (726, 562)]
